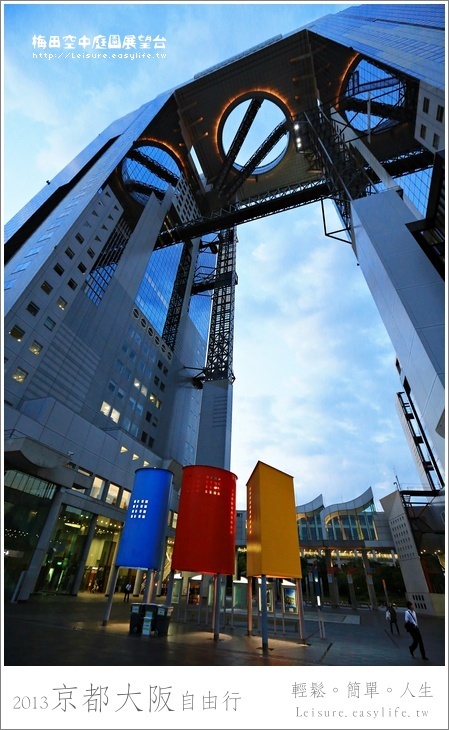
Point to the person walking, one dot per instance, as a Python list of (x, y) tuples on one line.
[(411, 625), (393, 617), (127, 592)]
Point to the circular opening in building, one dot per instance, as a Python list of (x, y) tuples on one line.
[(148, 169), (256, 129)]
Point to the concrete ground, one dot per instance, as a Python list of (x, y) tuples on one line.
[(68, 631)]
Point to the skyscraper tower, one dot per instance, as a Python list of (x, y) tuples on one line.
[(120, 274)]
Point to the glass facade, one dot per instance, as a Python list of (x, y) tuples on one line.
[(27, 502), (153, 297)]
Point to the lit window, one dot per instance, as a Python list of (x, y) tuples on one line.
[(105, 408), (123, 449), (17, 333), (35, 347), (146, 463), (97, 487), (135, 457), (61, 303), (112, 495), (136, 383), (115, 415), (144, 390), (440, 113), (124, 501), (20, 375), (50, 323)]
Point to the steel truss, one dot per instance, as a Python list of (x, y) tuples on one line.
[(177, 298), (221, 332), (258, 206)]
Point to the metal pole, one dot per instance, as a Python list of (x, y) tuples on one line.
[(149, 583), (264, 613), (112, 585), (171, 580), (250, 606), (302, 632), (217, 606)]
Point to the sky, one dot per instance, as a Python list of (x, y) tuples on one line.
[(314, 394)]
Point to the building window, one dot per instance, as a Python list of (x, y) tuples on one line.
[(422, 132), (79, 238), (90, 252), (9, 284), (61, 303), (144, 437), (59, 270), (120, 393), (17, 333), (115, 415), (72, 284), (21, 267), (69, 253), (32, 308), (112, 386), (148, 416), (436, 141), (112, 495), (33, 251), (82, 267), (97, 487), (440, 113), (20, 375), (425, 105), (105, 408), (50, 323), (155, 401), (124, 499), (35, 347), (46, 287)]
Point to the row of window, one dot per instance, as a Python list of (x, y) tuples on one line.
[(439, 116), (436, 137), (150, 332)]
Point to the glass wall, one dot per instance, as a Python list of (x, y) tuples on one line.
[(27, 502), (65, 550)]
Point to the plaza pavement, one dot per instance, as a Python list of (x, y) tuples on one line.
[(56, 630)]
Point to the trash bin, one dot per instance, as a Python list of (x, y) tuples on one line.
[(163, 617), (140, 611)]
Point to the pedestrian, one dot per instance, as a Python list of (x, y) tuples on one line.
[(411, 625), (127, 592), (393, 617)]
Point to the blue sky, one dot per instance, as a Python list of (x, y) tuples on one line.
[(315, 371)]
